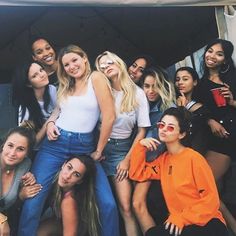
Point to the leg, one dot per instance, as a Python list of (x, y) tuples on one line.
[(213, 227), (106, 204), (123, 191), (219, 164), (156, 203), (47, 163), (140, 207)]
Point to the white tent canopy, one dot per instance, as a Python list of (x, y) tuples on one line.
[(150, 3)]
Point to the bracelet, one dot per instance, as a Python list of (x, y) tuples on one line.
[(51, 121), (3, 218)]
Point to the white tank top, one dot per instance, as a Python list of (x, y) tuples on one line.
[(79, 113)]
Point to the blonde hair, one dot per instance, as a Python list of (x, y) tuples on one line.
[(129, 101), (163, 87), (66, 82)]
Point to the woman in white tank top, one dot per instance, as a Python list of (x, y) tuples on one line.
[(82, 96)]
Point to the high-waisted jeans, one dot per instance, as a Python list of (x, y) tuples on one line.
[(48, 162)]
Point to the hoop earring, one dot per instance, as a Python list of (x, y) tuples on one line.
[(225, 70)]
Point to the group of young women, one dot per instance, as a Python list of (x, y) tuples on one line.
[(121, 129)]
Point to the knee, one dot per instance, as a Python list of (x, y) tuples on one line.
[(139, 206), (126, 210)]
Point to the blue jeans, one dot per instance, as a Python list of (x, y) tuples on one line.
[(47, 163)]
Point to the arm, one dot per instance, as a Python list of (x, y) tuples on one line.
[(70, 220), (140, 170), (107, 107), (226, 92), (4, 226), (217, 129), (206, 207), (51, 128)]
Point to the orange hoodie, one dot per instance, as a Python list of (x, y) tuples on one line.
[(187, 183)]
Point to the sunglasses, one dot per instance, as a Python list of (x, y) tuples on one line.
[(162, 125), (105, 64)]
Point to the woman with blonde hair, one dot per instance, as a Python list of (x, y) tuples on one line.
[(131, 110), (161, 96), (83, 96)]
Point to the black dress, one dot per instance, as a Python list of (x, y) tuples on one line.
[(225, 115)]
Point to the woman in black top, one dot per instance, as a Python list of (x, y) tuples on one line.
[(219, 72)]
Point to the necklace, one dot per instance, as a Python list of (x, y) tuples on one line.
[(8, 172)]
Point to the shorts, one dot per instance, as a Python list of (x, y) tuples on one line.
[(114, 152)]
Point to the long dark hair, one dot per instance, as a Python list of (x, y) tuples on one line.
[(183, 116), (84, 195), (23, 95), (194, 75), (227, 68)]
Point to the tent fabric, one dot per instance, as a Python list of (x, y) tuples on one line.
[(230, 16), (168, 34), (151, 3)]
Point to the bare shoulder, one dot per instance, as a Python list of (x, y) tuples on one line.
[(68, 202), (98, 76)]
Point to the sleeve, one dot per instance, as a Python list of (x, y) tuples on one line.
[(143, 119), (140, 170), (21, 118), (206, 207)]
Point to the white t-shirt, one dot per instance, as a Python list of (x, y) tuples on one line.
[(53, 96), (79, 113), (125, 122)]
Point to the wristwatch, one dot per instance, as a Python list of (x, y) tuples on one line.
[(3, 218)]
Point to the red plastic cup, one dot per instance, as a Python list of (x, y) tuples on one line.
[(218, 97)]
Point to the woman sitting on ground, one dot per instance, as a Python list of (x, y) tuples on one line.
[(73, 201), (16, 183), (191, 195)]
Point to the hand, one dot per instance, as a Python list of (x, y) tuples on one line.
[(225, 91), (97, 156), (28, 179), (182, 100), (173, 228), (217, 129), (52, 131), (122, 170), (4, 229), (150, 143), (29, 191)]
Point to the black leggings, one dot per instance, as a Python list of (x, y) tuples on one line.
[(213, 228)]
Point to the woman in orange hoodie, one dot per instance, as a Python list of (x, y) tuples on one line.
[(187, 181)]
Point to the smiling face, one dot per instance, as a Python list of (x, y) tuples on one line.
[(184, 82), (14, 149), (74, 65), (37, 76), (150, 88), (136, 69), (43, 52), (214, 56), (72, 173), (108, 67), (169, 130)]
